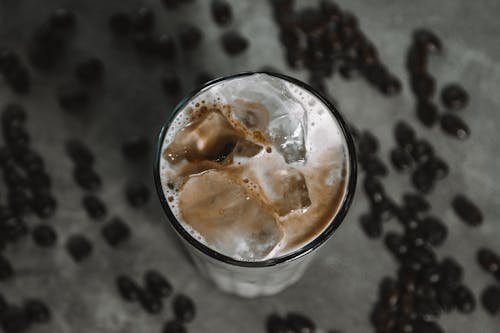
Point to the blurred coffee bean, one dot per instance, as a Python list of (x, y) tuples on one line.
[(488, 260), (368, 143), (234, 43), (464, 299), (149, 302), (416, 203), (454, 126), (422, 151), (171, 83), (416, 60), (62, 19), (20, 199), (221, 12), (79, 153), (157, 284), (189, 36), (143, 19), (390, 86), (401, 159), (44, 204), (454, 96), (120, 23), (490, 298), (166, 47), (184, 308), (136, 147), (78, 247), (171, 4), (309, 19), (467, 210), (446, 298), (87, 178), (404, 134), (115, 232), (433, 230), (128, 289), (427, 112), (451, 273), (36, 311), (427, 39), (371, 225), (373, 189), (173, 326), (18, 79), (72, 97), (423, 85), (422, 180), (90, 70), (137, 194), (6, 271), (13, 113), (396, 245), (374, 166), (95, 208), (300, 323), (276, 324), (44, 235), (437, 167), (14, 320), (13, 228), (145, 43)]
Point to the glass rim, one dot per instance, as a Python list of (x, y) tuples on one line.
[(306, 248)]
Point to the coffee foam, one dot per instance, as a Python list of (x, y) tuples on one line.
[(325, 169)]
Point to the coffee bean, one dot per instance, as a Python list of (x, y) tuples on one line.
[(234, 43), (145, 43), (157, 284), (173, 326), (423, 85), (375, 73), (6, 271), (446, 298), (95, 208), (62, 19), (454, 126), (189, 36), (430, 275), (73, 97), (78, 247), (451, 273), (401, 159), (309, 19), (14, 320), (8, 59), (166, 47), (422, 180), (390, 86), (427, 112), (143, 19), (433, 230), (13, 228), (37, 311), (368, 143), (427, 39), (115, 232), (18, 79), (16, 135), (79, 153), (348, 70), (44, 235), (373, 166), (128, 289), (90, 70), (382, 318), (87, 178), (437, 167), (276, 324), (384, 210), (137, 194), (171, 83), (454, 96), (150, 303), (422, 254), (120, 23), (416, 60), (422, 151), (374, 189), (490, 298), (300, 323), (396, 244), (423, 326), (44, 204), (371, 225), (467, 210), (416, 203), (488, 260), (171, 4), (13, 113), (29, 160), (464, 299), (136, 147), (404, 134), (3, 304), (184, 308), (389, 292), (221, 12)]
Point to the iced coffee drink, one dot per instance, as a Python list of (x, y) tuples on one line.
[(255, 171)]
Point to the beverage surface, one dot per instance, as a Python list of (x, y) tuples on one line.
[(254, 167)]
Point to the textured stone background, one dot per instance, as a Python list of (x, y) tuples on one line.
[(338, 290)]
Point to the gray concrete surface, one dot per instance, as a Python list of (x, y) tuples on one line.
[(339, 288)]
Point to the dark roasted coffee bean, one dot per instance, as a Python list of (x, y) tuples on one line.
[(467, 210), (407, 218), (36, 311), (488, 260), (184, 308), (389, 292), (454, 126), (202, 78), (94, 206), (15, 134), (276, 324), (79, 247), (72, 97), (433, 230), (13, 228), (423, 85), (115, 232), (371, 225), (300, 323), (44, 235), (143, 19), (29, 160), (221, 12), (174, 326), (427, 307), (437, 167), (290, 37), (89, 70), (234, 43), (382, 318), (3, 304), (8, 59), (375, 73), (189, 36), (416, 60), (401, 159), (149, 302), (14, 320), (490, 298), (464, 299), (416, 203), (384, 209), (128, 289), (145, 43), (6, 271), (309, 19), (396, 244), (404, 134), (422, 254), (20, 200), (44, 204), (120, 23), (427, 39), (430, 274), (62, 19), (422, 180), (171, 4), (373, 189), (373, 166), (13, 113), (87, 178), (390, 86), (18, 79), (166, 47), (368, 143), (157, 284), (427, 112), (137, 194), (136, 147), (422, 151), (446, 298), (79, 153), (171, 83), (348, 70), (451, 273), (454, 96)]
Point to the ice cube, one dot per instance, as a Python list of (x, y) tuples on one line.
[(232, 222), (251, 113), (286, 189)]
